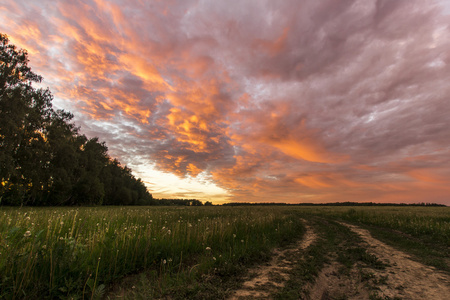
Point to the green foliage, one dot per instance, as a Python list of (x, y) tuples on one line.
[(43, 158), (24, 112)]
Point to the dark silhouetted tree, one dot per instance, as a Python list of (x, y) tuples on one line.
[(43, 158)]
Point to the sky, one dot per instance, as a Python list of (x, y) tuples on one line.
[(254, 100)]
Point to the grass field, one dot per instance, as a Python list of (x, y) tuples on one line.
[(187, 252)]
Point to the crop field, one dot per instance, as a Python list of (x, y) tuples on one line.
[(205, 252)]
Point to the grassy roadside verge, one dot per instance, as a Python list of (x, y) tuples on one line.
[(202, 277)]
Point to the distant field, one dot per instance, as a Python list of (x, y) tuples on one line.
[(184, 252), (431, 223)]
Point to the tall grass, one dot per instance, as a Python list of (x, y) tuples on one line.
[(74, 252)]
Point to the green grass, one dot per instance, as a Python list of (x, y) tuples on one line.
[(79, 252)]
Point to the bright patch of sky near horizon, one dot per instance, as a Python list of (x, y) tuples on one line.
[(280, 101)]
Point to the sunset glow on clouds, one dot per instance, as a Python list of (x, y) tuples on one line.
[(279, 101)]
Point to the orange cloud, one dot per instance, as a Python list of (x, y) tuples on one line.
[(328, 180), (312, 182), (193, 170), (145, 70), (430, 175), (305, 149)]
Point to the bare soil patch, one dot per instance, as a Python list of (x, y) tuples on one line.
[(405, 278), (267, 279), (332, 284)]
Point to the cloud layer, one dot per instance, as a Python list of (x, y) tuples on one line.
[(283, 101)]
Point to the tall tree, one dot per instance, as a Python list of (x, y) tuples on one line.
[(65, 146), (43, 158), (24, 112)]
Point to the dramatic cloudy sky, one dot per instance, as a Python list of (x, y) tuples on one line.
[(263, 100)]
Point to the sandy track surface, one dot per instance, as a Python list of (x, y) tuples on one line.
[(406, 279), (266, 279), (330, 284)]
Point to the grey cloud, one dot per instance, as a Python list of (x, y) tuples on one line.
[(361, 82)]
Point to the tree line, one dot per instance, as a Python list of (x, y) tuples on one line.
[(44, 159), (332, 204), (182, 202)]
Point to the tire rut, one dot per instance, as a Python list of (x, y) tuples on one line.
[(269, 278), (406, 279)]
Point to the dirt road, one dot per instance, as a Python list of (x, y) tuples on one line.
[(406, 279), (399, 278)]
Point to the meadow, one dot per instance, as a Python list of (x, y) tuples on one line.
[(87, 252), (77, 252)]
